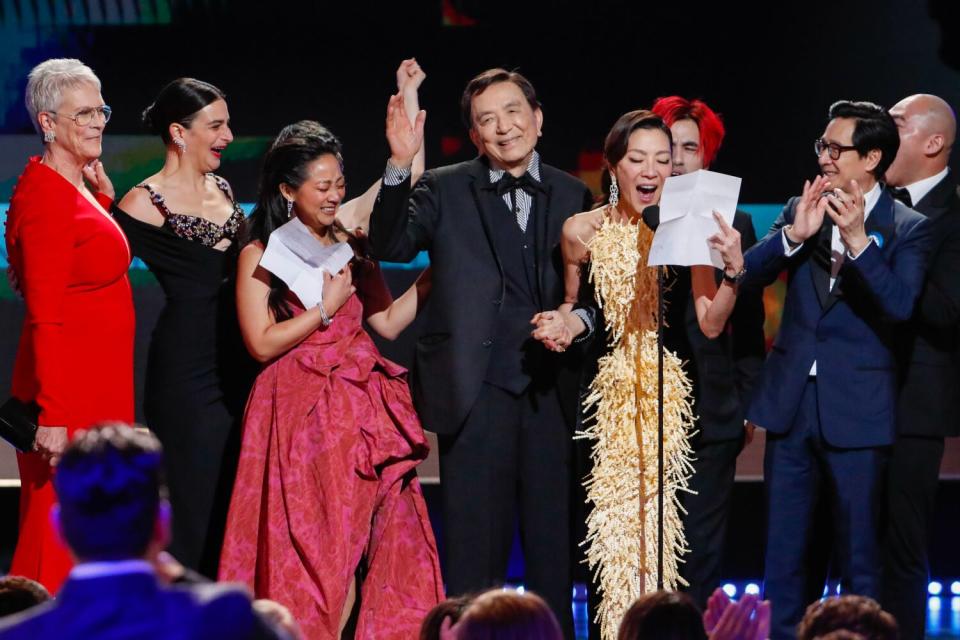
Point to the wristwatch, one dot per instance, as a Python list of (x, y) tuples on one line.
[(735, 278)]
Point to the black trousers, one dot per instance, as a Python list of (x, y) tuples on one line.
[(509, 461), (705, 523), (912, 478)]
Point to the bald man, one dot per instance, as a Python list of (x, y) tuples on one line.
[(928, 357)]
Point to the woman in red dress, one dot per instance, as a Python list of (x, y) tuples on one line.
[(70, 259), (327, 509)]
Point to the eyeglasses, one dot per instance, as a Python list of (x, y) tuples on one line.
[(85, 116), (832, 148)]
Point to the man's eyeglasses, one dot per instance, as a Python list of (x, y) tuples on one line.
[(85, 116), (832, 148)]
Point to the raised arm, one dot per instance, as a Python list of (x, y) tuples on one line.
[(264, 337), (355, 213), (715, 304), (389, 317)]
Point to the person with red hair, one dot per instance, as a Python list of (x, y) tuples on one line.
[(722, 369)]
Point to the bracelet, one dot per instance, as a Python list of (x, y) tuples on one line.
[(735, 278), (324, 318)]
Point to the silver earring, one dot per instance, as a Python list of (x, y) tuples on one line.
[(289, 208), (181, 145), (49, 136), (614, 190)]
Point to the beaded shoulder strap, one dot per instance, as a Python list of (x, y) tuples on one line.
[(157, 199)]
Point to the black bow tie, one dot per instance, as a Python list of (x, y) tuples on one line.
[(508, 183), (902, 194)]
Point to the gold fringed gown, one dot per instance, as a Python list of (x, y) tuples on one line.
[(622, 402)]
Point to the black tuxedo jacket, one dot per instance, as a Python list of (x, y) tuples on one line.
[(450, 214), (929, 346), (722, 369), (134, 605)]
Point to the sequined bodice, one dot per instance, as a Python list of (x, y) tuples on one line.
[(197, 228)]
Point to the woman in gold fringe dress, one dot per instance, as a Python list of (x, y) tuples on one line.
[(609, 245)]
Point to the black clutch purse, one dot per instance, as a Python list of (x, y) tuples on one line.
[(18, 423)]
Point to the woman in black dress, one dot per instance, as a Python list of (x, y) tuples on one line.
[(183, 221)]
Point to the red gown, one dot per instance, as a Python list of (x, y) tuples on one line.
[(75, 356), (327, 482)]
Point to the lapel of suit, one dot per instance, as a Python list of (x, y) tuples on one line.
[(541, 214), (820, 263), (937, 200), (879, 226), (485, 198)]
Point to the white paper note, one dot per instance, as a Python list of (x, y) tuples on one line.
[(295, 256), (686, 218)]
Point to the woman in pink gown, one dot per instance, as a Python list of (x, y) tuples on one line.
[(327, 516)]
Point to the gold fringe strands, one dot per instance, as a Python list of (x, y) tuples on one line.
[(622, 527)]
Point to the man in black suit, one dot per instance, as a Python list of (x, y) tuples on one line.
[(112, 516), (721, 369), (929, 357), (492, 227)]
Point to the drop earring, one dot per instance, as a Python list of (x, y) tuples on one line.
[(614, 190), (181, 145), (49, 136), (289, 209)]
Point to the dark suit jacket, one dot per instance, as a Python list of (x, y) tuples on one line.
[(135, 606), (929, 346), (724, 369), (848, 331), (449, 214)]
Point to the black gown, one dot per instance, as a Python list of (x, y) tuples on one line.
[(198, 373)]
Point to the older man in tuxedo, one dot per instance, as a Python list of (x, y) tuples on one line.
[(481, 382), (929, 357), (827, 393), (112, 514)]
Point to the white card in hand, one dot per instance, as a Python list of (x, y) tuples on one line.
[(295, 256), (686, 218)]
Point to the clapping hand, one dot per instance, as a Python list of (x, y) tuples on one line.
[(403, 137), (50, 443), (96, 175), (809, 211), (747, 619), (847, 212), (727, 244)]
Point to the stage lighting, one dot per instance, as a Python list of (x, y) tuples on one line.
[(730, 589), (934, 604), (934, 588), (752, 588), (955, 587)]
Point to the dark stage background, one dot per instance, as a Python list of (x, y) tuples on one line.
[(771, 71)]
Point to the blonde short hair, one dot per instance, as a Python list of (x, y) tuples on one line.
[(49, 79)]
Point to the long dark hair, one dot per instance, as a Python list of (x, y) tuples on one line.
[(286, 162), (179, 102)]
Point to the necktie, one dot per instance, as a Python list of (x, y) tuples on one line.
[(903, 195), (525, 183), (823, 253)]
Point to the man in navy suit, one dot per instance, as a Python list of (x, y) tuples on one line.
[(112, 516), (826, 396)]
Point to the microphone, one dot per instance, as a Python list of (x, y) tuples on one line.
[(651, 217)]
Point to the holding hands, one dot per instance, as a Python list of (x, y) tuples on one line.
[(552, 330)]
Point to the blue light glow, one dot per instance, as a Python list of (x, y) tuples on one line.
[(730, 589), (752, 588), (934, 588)]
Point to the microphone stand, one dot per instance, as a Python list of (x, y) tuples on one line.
[(651, 217)]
